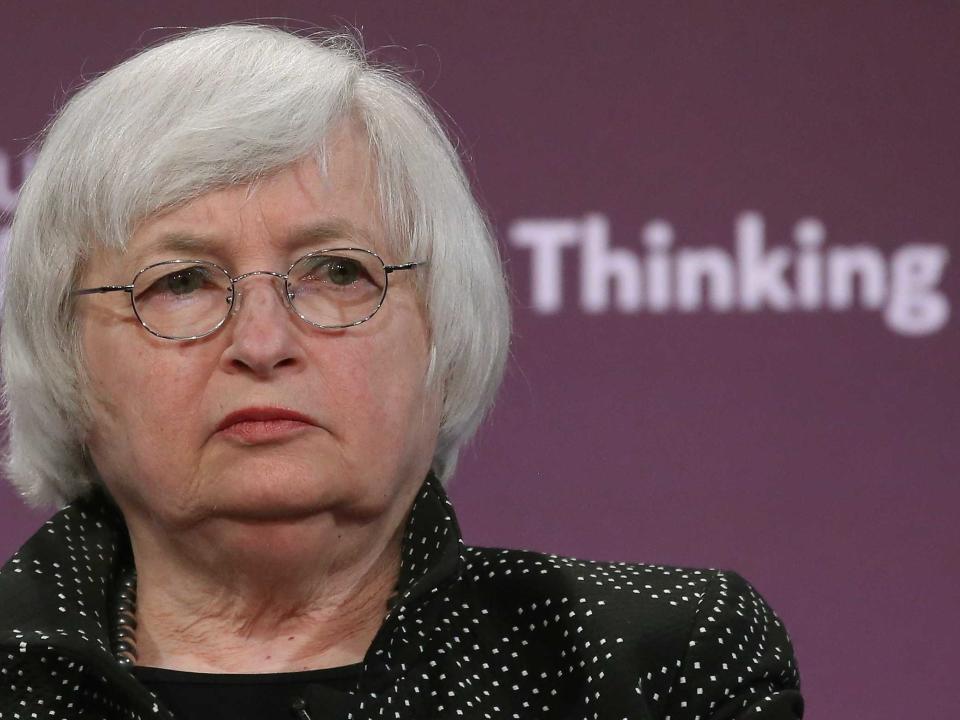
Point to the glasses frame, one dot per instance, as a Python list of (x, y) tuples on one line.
[(387, 270)]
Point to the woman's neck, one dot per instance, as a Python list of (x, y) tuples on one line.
[(302, 598)]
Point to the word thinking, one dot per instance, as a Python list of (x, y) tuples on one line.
[(750, 278)]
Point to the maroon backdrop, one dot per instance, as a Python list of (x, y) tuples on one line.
[(728, 229)]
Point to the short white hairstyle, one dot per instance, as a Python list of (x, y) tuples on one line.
[(216, 107)]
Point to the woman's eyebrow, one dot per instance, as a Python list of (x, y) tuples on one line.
[(181, 244), (328, 230), (175, 245)]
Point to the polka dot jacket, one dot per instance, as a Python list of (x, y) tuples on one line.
[(471, 633)]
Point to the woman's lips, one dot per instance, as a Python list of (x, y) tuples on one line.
[(263, 430), (259, 425)]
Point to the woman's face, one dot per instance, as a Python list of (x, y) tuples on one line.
[(159, 406)]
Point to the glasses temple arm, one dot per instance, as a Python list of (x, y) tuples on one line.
[(103, 289), (405, 266)]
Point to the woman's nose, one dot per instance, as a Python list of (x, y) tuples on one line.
[(263, 288), (263, 333)]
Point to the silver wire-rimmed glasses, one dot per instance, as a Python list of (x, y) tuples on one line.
[(190, 299)]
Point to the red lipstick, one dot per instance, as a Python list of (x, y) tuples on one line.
[(263, 424)]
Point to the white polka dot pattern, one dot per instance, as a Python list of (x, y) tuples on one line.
[(471, 633)]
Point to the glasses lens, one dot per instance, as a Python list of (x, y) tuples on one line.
[(337, 288), (182, 298)]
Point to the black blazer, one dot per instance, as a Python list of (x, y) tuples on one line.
[(471, 633)]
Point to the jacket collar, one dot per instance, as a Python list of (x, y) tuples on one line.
[(58, 590), (433, 550)]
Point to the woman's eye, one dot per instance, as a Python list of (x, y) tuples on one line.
[(339, 271), (180, 283), (183, 282), (342, 271)]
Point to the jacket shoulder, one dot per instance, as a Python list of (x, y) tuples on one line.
[(613, 582), (690, 641)]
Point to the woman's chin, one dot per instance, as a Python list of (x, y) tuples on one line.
[(291, 500), (271, 485), (286, 500)]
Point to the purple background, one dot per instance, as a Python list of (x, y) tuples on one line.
[(815, 452)]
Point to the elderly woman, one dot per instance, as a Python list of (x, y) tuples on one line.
[(253, 312)]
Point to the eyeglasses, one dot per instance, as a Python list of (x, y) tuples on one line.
[(190, 299)]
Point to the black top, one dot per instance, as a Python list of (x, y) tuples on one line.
[(472, 633), (313, 694)]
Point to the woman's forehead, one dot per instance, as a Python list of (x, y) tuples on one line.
[(295, 210)]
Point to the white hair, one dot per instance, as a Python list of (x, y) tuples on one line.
[(215, 107)]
